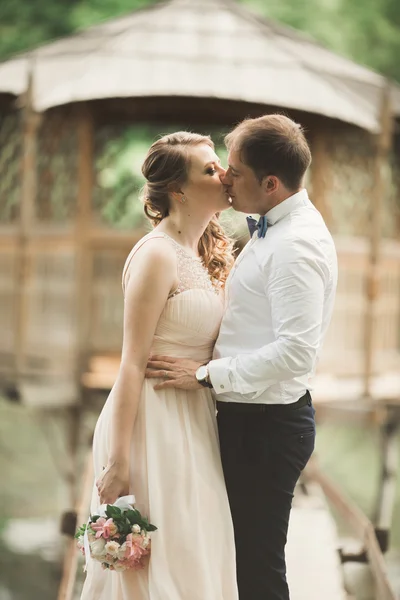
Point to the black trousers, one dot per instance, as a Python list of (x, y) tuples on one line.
[(263, 452)]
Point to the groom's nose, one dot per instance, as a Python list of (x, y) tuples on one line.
[(227, 179), (223, 178)]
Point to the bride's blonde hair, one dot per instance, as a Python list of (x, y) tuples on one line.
[(166, 167)]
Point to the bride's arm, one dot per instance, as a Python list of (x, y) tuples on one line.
[(151, 277)]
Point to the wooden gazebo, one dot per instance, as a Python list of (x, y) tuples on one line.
[(65, 105)]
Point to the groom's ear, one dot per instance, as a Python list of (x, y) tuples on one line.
[(270, 184)]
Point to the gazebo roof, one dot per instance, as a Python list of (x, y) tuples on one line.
[(202, 49)]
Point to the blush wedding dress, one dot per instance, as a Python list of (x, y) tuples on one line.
[(175, 471)]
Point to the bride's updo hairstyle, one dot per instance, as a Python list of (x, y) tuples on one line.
[(166, 169)]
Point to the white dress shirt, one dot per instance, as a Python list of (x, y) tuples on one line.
[(278, 305)]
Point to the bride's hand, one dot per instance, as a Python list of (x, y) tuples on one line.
[(113, 483)]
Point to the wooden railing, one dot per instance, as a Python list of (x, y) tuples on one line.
[(51, 344), (361, 528), (344, 348)]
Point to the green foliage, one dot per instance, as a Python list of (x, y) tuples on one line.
[(123, 519), (80, 531), (119, 177), (25, 25), (119, 180), (89, 12), (367, 32)]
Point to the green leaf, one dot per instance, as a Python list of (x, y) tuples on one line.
[(133, 516), (80, 531), (94, 518), (113, 512)]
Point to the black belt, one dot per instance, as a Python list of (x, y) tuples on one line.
[(248, 407)]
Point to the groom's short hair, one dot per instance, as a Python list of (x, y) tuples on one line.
[(272, 145)]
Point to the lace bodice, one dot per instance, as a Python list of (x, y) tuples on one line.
[(192, 274), (190, 320)]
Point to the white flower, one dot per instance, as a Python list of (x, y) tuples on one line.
[(112, 548), (119, 566), (122, 551), (98, 548), (136, 529), (91, 536), (146, 541)]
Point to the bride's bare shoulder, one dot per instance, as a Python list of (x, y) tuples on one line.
[(153, 252)]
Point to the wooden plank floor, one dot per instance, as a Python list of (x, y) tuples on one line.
[(313, 567)]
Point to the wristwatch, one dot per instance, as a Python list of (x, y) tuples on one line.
[(202, 376)]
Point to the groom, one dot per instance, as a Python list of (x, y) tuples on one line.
[(279, 301)]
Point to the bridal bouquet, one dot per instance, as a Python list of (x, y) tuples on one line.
[(118, 537)]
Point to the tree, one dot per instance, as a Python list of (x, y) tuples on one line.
[(367, 32), (25, 25)]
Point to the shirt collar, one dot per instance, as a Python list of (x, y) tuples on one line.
[(284, 208)]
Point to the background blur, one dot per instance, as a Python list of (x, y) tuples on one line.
[(61, 304)]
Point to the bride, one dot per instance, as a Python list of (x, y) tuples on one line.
[(162, 445)]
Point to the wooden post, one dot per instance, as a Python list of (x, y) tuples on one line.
[(66, 589), (321, 174), (383, 145), (83, 122), (82, 233), (389, 467), (30, 125)]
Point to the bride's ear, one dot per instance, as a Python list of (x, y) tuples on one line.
[(176, 194)]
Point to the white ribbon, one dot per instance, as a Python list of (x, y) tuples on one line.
[(124, 503), (86, 546)]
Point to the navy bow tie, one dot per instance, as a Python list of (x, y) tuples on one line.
[(260, 226)]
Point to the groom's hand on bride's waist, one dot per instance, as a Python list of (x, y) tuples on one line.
[(173, 372)]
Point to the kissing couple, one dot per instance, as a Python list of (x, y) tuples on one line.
[(210, 421)]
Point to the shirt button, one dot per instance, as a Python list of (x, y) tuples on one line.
[(222, 387)]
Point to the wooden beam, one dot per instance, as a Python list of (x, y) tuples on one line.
[(383, 145), (83, 224), (30, 125)]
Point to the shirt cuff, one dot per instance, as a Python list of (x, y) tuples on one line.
[(218, 371)]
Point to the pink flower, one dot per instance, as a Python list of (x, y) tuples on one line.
[(98, 526), (110, 529), (104, 528), (135, 563), (134, 551)]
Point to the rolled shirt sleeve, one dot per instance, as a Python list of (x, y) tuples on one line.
[(295, 279)]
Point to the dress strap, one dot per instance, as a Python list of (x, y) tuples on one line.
[(191, 272), (133, 252)]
